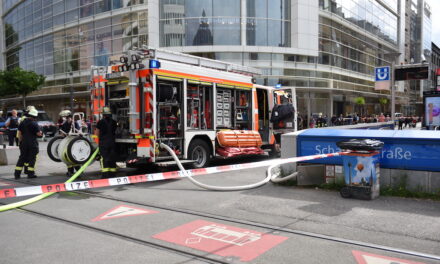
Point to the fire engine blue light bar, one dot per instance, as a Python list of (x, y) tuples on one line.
[(154, 64)]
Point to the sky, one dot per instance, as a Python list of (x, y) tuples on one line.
[(435, 8)]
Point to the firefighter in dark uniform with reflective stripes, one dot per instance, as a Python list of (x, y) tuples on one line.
[(106, 132), (28, 131)]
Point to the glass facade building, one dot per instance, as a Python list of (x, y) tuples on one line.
[(61, 39), (327, 49), (418, 49)]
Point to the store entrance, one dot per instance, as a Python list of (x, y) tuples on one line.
[(338, 108)]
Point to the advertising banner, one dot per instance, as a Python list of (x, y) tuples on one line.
[(432, 111)]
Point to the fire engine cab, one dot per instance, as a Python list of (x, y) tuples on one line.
[(200, 108)]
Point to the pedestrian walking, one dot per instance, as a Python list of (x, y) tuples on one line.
[(407, 121), (381, 118), (28, 131), (400, 122), (106, 132), (12, 125)]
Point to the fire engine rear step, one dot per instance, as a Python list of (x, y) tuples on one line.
[(172, 162)]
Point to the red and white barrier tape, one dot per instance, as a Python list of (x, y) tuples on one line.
[(82, 185)]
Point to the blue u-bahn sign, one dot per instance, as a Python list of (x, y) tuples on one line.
[(382, 73), (404, 149)]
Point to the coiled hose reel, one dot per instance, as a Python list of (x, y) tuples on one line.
[(71, 149)]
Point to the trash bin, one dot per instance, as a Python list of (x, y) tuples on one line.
[(361, 168)]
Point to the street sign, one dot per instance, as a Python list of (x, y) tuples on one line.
[(222, 240), (382, 78), (382, 73), (403, 149), (368, 258), (411, 72), (122, 211)]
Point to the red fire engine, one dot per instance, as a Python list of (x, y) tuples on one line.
[(201, 108)]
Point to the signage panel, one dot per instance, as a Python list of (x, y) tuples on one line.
[(412, 73), (382, 73), (411, 150), (382, 78)]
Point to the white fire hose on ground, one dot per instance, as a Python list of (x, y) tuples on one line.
[(270, 177)]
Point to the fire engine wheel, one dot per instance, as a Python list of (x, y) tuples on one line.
[(79, 150), (52, 148), (199, 152), (345, 192)]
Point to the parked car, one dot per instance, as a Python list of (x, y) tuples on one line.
[(47, 126)]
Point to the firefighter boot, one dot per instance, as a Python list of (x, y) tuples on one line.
[(104, 175), (111, 174), (70, 171), (31, 175), (17, 173)]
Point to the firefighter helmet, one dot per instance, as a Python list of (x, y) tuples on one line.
[(33, 112), (30, 107), (65, 113)]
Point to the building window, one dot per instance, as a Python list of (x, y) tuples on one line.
[(200, 22), (268, 23)]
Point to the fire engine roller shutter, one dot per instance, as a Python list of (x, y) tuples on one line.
[(169, 78), (146, 142), (225, 86), (167, 92), (199, 82)]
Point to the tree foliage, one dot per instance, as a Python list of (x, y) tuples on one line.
[(359, 100), (19, 82), (383, 101)]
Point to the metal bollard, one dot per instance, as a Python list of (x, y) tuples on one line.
[(2, 140)]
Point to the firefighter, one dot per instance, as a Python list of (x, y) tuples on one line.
[(22, 118), (64, 131), (28, 131), (25, 113), (106, 132)]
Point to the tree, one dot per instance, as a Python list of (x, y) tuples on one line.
[(383, 101), (360, 102), (21, 82)]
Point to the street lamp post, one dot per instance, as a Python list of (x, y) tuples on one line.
[(393, 95), (395, 56), (71, 91)]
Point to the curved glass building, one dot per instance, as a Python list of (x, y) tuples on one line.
[(327, 49)]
